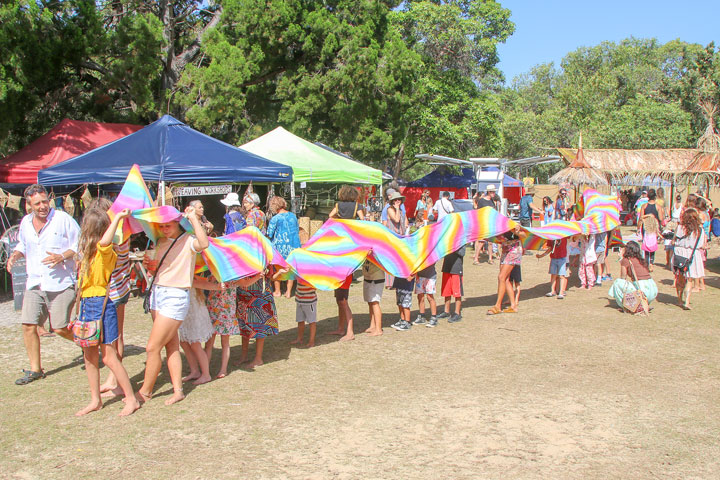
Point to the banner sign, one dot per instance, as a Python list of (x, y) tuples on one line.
[(201, 190)]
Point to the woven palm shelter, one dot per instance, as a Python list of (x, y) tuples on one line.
[(580, 172)]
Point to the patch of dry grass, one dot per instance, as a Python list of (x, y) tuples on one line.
[(564, 389)]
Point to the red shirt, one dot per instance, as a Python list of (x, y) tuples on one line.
[(559, 248)]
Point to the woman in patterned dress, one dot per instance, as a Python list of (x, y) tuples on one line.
[(257, 316)]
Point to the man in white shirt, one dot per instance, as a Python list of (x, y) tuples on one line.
[(48, 239), (443, 206)]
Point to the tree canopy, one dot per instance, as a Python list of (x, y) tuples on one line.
[(381, 80)]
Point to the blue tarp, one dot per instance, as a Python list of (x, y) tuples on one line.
[(438, 178), (166, 150)]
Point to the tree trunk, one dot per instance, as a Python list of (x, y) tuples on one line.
[(398, 161)]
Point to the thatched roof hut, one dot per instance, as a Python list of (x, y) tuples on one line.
[(580, 172), (619, 163)]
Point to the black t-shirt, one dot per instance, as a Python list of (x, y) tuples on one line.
[(428, 272), (453, 263), (485, 202), (346, 209), (403, 284)]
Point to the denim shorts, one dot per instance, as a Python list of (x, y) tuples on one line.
[(558, 266), (91, 308), (170, 302)]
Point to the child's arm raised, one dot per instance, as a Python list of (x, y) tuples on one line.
[(107, 237)]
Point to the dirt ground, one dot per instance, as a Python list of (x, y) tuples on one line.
[(564, 389)]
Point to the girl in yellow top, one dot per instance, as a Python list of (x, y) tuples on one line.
[(97, 263)]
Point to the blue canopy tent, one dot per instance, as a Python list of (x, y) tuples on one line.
[(167, 150)]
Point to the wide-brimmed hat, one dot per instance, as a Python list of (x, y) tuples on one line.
[(490, 188), (394, 196), (231, 200), (530, 189)]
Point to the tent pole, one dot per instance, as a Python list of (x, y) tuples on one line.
[(162, 192), (672, 193), (292, 195)]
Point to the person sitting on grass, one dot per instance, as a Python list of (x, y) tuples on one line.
[(559, 268), (633, 261)]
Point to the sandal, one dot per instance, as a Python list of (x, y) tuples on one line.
[(510, 310), (29, 376), (476, 262), (494, 311)]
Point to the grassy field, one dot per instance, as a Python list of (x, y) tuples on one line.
[(563, 389)]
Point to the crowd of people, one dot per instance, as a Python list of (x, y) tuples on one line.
[(190, 311)]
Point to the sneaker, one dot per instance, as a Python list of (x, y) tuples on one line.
[(432, 322), (443, 315), (598, 283), (560, 296), (454, 318), (419, 320), (402, 325), (550, 294), (397, 324)]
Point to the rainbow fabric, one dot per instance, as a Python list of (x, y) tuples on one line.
[(340, 247), (133, 196), (240, 254)]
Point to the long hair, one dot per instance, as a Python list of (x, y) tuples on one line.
[(650, 224), (690, 221), (632, 250), (546, 201), (94, 223)]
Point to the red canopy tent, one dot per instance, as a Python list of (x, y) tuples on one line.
[(65, 140)]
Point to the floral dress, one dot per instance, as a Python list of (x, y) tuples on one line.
[(221, 305), (256, 313), (256, 218), (284, 232), (511, 253)]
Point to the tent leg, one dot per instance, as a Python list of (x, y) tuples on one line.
[(162, 192), (292, 197)]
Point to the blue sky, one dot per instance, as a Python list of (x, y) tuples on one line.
[(545, 31)]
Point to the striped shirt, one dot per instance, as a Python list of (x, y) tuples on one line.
[(120, 278), (305, 293)]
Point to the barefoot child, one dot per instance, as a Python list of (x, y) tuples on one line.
[(170, 300), (345, 320), (425, 288), (452, 284), (197, 328), (558, 267), (97, 263), (305, 312), (373, 283), (403, 296), (515, 281)]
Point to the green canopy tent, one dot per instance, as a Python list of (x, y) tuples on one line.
[(311, 163)]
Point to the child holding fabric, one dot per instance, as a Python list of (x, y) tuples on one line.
[(97, 263), (373, 283), (588, 257), (403, 296), (452, 284), (170, 300), (425, 288), (305, 312)]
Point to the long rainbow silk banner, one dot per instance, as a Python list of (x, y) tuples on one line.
[(241, 254), (134, 196), (340, 247)]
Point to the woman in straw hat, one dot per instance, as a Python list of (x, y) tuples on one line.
[(234, 214)]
